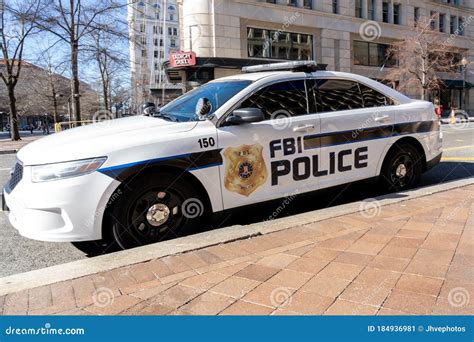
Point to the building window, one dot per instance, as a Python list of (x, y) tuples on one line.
[(161, 42), (271, 1), (155, 41), (293, 3), (397, 13), (308, 4), (281, 45), (461, 26), (155, 29), (170, 31), (432, 20), (358, 8), (175, 31), (142, 28), (143, 40), (452, 24), (161, 29), (173, 43), (385, 12), (416, 16), (143, 53), (335, 6), (371, 9), (441, 22), (373, 54), (171, 17)]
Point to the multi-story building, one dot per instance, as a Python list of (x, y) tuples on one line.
[(350, 36), (154, 35)]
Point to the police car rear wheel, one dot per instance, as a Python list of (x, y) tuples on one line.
[(402, 168), (154, 209)]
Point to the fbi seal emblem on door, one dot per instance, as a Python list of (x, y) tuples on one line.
[(245, 169)]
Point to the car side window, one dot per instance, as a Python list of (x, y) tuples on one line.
[(374, 98), (336, 94), (280, 99)]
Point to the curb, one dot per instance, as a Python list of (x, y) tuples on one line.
[(103, 263), (9, 151)]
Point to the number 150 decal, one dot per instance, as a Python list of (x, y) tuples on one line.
[(206, 142)]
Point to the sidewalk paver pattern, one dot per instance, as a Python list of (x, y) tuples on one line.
[(414, 257)]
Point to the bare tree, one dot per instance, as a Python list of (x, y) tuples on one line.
[(71, 21), (421, 56), (110, 61), (16, 25)]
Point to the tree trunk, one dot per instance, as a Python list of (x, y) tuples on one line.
[(105, 90), (75, 98), (15, 133), (55, 106)]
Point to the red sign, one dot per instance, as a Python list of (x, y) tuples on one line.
[(182, 59)]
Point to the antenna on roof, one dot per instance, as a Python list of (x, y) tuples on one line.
[(303, 66)]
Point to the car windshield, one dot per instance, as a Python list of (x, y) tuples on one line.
[(218, 93)]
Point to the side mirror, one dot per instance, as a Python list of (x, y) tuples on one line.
[(245, 115)]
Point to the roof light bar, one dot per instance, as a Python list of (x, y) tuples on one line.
[(305, 66)]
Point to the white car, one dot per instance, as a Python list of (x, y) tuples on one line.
[(273, 131)]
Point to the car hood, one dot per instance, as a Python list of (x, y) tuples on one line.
[(100, 139)]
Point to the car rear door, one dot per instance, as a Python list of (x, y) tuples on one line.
[(353, 136)]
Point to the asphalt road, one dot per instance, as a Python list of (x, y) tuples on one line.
[(18, 254)]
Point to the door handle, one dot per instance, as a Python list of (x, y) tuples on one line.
[(383, 118), (304, 128)]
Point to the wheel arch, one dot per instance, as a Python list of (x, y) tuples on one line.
[(174, 170), (405, 140)]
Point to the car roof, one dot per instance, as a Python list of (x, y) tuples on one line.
[(275, 75)]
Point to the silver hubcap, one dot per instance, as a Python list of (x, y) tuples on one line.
[(401, 171), (158, 214)]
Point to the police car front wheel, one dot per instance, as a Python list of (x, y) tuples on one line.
[(154, 208), (402, 168)]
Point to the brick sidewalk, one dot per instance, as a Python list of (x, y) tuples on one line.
[(415, 257)]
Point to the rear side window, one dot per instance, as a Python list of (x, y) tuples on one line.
[(337, 95), (280, 99), (373, 98)]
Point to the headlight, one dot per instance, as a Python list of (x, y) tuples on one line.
[(48, 172)]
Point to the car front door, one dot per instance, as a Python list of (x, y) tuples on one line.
[(354, 123), (267, 160)]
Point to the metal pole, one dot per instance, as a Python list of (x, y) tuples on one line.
[(464, 87), (165, 35)]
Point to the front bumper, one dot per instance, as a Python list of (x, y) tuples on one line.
[(65, 210)]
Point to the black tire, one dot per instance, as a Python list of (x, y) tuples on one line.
[(154, 208), (402, 168)]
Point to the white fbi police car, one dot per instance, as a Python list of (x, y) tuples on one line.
[(274, 130)]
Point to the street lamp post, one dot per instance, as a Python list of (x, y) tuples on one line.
[(464, 63)]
